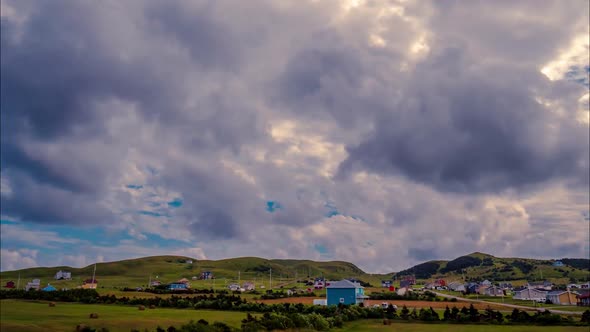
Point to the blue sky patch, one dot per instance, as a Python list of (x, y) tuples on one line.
[(332, 213), (320, 249), (175, 203), (150, 213), (134, 186), (272, 206)]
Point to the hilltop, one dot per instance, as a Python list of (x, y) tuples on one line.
[(138, 271), (133, 272), (480, 266)]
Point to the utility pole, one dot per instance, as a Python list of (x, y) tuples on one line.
[(270, 276)]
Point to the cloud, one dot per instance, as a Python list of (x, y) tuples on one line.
[(388, 132), (18, 259), (472, 130)]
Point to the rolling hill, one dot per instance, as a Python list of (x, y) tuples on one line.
[(480, 266), (137, 272)]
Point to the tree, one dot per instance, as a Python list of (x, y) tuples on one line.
[(405, 313), (447, 314), (473, 314)]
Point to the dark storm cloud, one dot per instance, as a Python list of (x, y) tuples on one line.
[(62, 69), (462, 129), (41, 203)]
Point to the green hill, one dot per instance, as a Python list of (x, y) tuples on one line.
[(136, 272), (480, 266)]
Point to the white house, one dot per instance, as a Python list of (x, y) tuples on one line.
[(530, 294), (234, 287), (63, 275), (35, 284)]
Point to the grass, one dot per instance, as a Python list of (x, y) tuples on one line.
[(377, 325), (32, 316)]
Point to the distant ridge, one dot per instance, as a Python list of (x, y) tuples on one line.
[(479, 265), (476, 265)]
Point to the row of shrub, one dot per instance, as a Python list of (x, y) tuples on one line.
[(409, 296)]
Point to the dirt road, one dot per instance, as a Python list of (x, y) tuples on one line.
[(508, 305)]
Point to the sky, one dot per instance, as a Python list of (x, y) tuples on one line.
[(383, 133)]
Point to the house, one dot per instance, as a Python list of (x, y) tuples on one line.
[(35, 284), (183, 281), (583, 298), (319, 283), (506, 285), (194, 278), (155, 283), (206, 275), (486, 283), (249, 286), (558, 264), (10, 284), (234, 287), (585, 286), (472, 287), (63, 275), (189, 261), (403, 291), (345, 292), (91, 283), (456, 286), (177, 286), (386, 283), (405, 283), (49, 288), (481, 290), (544, 285), (562, 297), (528, 293), (411, 280), (440, 283), (494, 291)]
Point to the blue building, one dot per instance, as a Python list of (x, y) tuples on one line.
[(49, 288), (345, 292), (558, 263), (177, 286)]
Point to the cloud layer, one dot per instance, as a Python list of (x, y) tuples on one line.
[(378, 132)]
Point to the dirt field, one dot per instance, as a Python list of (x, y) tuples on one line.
[(409, 304)]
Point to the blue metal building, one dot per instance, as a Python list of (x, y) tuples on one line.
[(345, 292)]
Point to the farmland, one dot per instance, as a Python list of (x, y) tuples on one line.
[(35, 316), (38, 316)]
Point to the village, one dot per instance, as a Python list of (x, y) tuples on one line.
[(348, 291)]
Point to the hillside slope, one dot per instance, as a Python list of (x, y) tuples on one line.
[(170, 268), (480, 266)]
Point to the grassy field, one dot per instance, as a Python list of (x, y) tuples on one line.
[(33, 316), (377, 326), (38, 316)]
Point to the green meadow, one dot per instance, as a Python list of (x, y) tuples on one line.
[(31, 316)]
